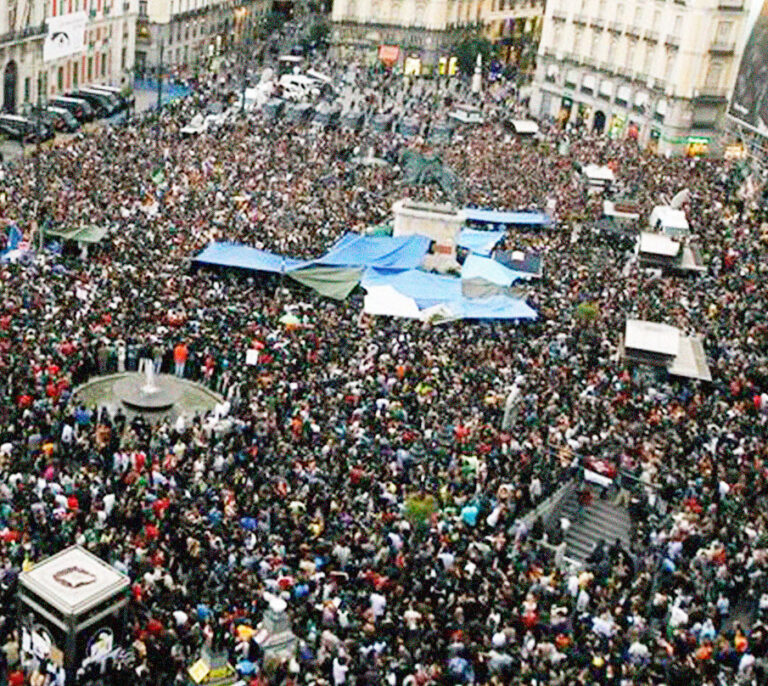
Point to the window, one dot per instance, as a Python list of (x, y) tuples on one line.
[(90, 68), (601, 9), (648, 62), (656, 20), (724, 29), (714, 73), (678, 26), (104, 64), (60, 78), (74, 74), (638, 16), (630, 54), (27, 88)]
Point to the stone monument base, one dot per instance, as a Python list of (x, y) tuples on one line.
[(441, 223)]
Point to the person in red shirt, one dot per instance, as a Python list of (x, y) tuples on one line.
[(180, 354)]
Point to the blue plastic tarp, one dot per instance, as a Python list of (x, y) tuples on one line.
[(479, 242), (429, 290), (477, 267), (495, 217), (425, 288), (245, 257), (383, 252), (495, 307)]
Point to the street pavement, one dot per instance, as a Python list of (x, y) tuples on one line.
[(146, 99)]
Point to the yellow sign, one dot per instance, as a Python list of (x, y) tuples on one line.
[(220, 672), (198, 671), (412, 66)]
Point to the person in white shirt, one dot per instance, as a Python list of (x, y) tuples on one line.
[(340, 669)]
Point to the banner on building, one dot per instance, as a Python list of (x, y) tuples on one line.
[(749, 103), (389, 54), (65, 37)]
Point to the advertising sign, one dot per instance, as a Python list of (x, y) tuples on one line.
[(749, 103), (66, 36), (389, 54)]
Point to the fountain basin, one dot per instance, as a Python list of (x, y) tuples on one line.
[(132, 391)]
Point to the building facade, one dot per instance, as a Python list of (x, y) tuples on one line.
[(420, 28), (515, 27), (106, 57), (657, 70), (190, 32)]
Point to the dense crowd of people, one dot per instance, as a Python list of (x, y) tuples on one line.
[(365, 476)]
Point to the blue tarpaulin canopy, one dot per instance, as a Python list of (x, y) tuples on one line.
[(479, 242), (245, 257), (474, 214), (383, 252), (477, 267), (425, 288), (430, 290)]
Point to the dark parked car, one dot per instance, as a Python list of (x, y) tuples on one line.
[(124, 99), (80, 108), (353, 120), (24, 129), (102, 105)]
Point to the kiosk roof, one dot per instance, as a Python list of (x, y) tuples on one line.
[(73, 580)]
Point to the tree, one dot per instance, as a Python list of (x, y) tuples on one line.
[(468, 45)]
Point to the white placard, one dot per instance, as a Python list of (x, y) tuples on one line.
[(66, 36), (251, 356)]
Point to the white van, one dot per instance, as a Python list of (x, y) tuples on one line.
[(466, 114)]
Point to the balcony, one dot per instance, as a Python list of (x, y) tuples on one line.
[(652, 36), (731, 5), (616, 27), (710, 95), (580, 19), (672, 41), (23, 34), (722, 47), (597, 24)]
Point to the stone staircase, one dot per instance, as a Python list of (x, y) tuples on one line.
[(600, 520)]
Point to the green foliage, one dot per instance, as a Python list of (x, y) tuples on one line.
[(587, 312), (419, 508), (271, 22), (318, 32), (468, 48)]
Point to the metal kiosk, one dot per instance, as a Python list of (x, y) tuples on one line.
[(71, 614)]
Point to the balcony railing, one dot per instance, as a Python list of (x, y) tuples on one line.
[(710, 93), (23, 34), (652, 36), (616, 27), (722, 47), (731, 5)]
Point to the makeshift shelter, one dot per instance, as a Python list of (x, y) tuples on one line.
[(527, 264), (384, 252), (245, 257), (663, 346), (87, 234), (480, 216), (439, 297), (479, 267), (669, 221), (332, 282), (525, 128), (659, 251), (479, 242)]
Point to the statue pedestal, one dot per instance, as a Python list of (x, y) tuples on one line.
[(275, 635), (212, 669), (441, 223)]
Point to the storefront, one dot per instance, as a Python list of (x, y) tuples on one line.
[(697, 146)]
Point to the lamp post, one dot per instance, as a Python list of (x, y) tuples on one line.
[(42, 102), (244, 51)]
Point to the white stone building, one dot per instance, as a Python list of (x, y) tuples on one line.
[(660, 70), (191, 31), (107, 55)]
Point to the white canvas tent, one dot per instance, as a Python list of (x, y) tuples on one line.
[(662, 345), (669, 221), (524, 127)]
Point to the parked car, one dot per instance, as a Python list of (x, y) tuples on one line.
[(24, 129), (126, 99), (77, 106), (273, 108), (50, 118), (353, 120), (327, 116), (299, 113), (100, 103), (70, 120), (382, 123)]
